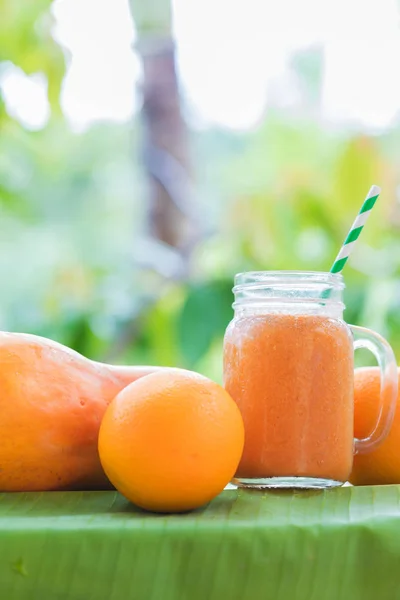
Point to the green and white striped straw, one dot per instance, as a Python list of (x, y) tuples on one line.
[(356, 229)]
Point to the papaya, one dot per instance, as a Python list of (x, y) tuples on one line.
[(52, 401)]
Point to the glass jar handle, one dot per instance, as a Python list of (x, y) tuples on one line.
[(380, 348)]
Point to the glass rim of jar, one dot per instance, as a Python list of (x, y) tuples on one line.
[(249, 277), (294, 287)]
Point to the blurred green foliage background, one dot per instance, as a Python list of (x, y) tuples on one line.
[(72, 211)]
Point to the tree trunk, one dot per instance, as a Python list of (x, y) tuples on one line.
[(172, 224), (165, 147)]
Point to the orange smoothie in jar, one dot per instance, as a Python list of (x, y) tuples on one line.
[(289, 367)]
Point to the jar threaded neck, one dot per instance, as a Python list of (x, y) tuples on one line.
[(289, 291)]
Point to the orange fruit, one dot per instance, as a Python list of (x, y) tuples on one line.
[(382, 464), (171, 441)]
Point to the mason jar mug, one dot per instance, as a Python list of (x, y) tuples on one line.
[(289, 366)]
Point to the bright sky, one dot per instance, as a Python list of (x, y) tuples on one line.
[(229, 54)]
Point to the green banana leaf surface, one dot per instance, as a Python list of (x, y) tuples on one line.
[(341, 544)]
